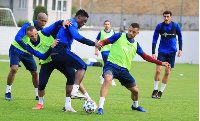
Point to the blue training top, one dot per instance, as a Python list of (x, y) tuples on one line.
[(167, 45), (67, 36), (114, 38), (51, 30)]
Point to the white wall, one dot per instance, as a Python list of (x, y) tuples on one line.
[(190, 52)]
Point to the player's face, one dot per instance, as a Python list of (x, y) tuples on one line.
[(167, 18), (81, 21), (132, 32), (41, 22), (33, 35), (107, 25)]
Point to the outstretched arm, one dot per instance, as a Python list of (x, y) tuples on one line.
[(152, 60)]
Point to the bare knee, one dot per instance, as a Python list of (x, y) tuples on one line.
[(34, 73), (13, 69)]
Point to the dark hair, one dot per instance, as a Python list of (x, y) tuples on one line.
[(107, 21), (82, 13), (30, 28), (135, 25), (167, 12)]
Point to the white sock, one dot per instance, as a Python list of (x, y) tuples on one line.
[(101, 102), (75, 88), (156, 85), (41, 100), (8, 89), (135, 104), (36, 91), (162, 87), (87, 95), (68, 103)]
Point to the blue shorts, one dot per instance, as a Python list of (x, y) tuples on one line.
[(27, 60), (124, 77), (70, 60), (46, 70), (105, 55), (167, 57)]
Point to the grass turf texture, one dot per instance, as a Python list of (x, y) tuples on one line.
[(180, 99)]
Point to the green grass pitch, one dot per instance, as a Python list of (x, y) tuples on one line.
[(179, 102)]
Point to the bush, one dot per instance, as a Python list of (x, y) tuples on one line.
[(74, 9), (39, 9), (21, 22)]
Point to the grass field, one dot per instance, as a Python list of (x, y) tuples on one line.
[(179, 102)]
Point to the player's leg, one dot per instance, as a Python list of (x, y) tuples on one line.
[(170, 58), (135, 96), (14, 64), (109, 73), (70, 75), (30, 65), (71, 60), (45, 72), (83, 90), (105, 57), (161, 57)]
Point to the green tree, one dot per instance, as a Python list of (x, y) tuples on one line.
[(74, 9), (39, 9)]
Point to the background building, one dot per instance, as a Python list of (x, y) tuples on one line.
[(24, 9)]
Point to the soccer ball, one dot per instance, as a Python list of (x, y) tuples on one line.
[(89, 106)]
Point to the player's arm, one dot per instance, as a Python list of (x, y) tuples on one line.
[(149, 58), (111, 39), (180, 41), (21, 33), (74, 32), (96, 41), (154, 42), (40, 55), (53, 27)]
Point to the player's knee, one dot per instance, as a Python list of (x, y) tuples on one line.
[(34, 73), (108, 77), (158, 72), (167, 73), (13, 69), (41, 87)]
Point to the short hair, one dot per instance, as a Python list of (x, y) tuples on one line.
[(107, 21), (167, 12), (30, 28), (82, 12), (135, 25)]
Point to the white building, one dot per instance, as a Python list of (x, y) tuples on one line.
[(24, 9)]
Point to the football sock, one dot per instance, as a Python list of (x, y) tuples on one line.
[(75, 88), (162, 87), (135, 104), (36, 91), (156, 85), (41, 100), (101, 102), (87, 95), (68, 103), (8, 89)]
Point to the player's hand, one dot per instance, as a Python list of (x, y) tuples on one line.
[(166, 64), (55, 43), (67, 23), (96, 53), (98, 45), (179, 53), (30, 54), (154, 56)]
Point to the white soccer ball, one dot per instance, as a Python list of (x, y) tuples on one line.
[(89, 106)]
